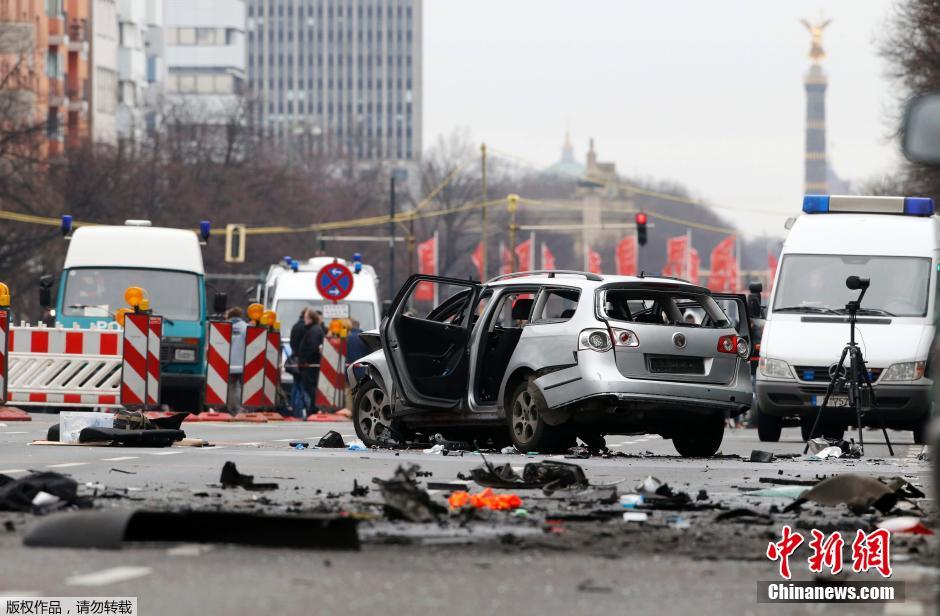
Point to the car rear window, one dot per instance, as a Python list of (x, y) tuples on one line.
[(673, 308)]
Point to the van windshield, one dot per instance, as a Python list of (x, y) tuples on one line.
[(816, 284), (99, 292), (288, 311)]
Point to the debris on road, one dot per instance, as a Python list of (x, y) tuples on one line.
[(790, 492), (231, 478), (549, 475), (487, 499), (759, 455), (744, 516), (905, 524), (635, 516), (331, 440), (404, 499), (659, 495), (356, 445), (131, 437), (57, 490), (111, 528), (859, 492)]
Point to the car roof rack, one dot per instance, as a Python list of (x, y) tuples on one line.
[(549, 273)]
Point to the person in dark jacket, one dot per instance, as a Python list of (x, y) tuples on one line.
[(298, 397), (309, 356)]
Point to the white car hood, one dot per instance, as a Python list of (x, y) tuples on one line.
[(802, 343)]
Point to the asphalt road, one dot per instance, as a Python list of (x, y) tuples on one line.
[(617, 568)]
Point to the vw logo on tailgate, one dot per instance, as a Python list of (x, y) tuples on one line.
[(679, 340)]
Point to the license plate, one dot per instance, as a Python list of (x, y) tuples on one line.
[(677, 365), (834, 401)]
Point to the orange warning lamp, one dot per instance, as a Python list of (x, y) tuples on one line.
[(255, 311), (277, 326), (4, 295), (120, 314), (268, 317), (144, 305), (133, 296)]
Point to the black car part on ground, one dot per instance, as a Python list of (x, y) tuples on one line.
[(548, 475), (404, 499), (231, 478), (18, 494), (109, 529), (131, 438), (332, 440), (859, 493)]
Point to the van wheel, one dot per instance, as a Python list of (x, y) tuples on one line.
[(703, 441), (527, 427), (768, 427), (372, 414)]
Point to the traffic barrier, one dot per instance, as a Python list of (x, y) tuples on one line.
[(134, 367), (154, 337), (331, 386), (218, 363), (63, 367), (251, 417), (253, 374), (326, 417), (209, 416), (8, 413), (272, 372), (4, 335)]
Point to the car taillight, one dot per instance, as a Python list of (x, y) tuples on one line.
[(624, 338), (594, 340), (728, 344), (743, 348)]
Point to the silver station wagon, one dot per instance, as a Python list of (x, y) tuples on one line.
[(543, 357)]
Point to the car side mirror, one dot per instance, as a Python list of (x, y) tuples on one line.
[(219, 302), (45, 291), (920, 132)]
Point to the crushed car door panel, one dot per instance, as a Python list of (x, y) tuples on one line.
[(426, 337)]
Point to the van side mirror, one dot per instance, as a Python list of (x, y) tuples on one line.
[(920, 132), (754, 309), (45, 291), (219, 302)]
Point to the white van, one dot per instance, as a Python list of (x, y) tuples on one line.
[(894, 242), (291, 286)]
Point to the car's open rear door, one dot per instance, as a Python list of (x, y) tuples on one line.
[(425, 338)]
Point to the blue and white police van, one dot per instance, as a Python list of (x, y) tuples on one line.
[(894, 242)]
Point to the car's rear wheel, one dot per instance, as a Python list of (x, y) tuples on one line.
[(527, 427), (769, 427), (701, 441), (372, 414)]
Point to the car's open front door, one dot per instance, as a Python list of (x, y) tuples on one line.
[(425, 338)]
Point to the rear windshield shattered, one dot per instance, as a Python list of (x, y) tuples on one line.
[(664, 308)]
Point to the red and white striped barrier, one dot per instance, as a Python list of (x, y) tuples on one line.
[(134, 369), (331, 386), (57, 366), (154, 337), (4, 335), (272, 372), (256, 343), (218, 363)]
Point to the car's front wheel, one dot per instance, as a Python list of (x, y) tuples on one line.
[(527, 427), (702, 441), (769, 427), (372, 414)]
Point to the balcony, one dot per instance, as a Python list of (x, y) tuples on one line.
[(57, 34), (57, 96), (78, 36)]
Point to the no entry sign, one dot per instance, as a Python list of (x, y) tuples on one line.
[(334, 281)]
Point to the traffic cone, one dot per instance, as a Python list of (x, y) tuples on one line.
[(251, 417)]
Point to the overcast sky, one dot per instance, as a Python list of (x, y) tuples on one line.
[(706, 93)]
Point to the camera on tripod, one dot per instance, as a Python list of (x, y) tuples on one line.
[(856, 381)]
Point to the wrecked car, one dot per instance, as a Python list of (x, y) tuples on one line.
[(542, 357)]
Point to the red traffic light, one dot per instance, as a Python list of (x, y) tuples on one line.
[(641, 218)]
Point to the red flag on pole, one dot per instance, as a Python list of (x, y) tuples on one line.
[(594, 262), (427, 264), (694, 263), (525, 256), (676, 255), (626, 256), (477, 258), (506, 256), (724, 267), (548, 259)]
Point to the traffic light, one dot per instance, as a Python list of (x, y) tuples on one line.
[(641, 228)]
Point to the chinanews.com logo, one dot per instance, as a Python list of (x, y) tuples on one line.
[(870, 552)]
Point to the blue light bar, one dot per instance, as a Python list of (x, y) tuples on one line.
[(816, 204), (918, 206), (294, 264), (357, 256), (205, 229), (66, 225)]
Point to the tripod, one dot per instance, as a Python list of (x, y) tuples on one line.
[(856, 381)]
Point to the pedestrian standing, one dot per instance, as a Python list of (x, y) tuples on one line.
[(309, 356), (298, 397), (237, 359)]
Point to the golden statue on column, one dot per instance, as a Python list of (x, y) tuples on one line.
[(816, 51)]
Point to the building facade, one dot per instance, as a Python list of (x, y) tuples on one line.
[(140, 65), (205, 59), (338, 76)]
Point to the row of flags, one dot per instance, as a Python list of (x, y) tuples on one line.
[(682, 261)]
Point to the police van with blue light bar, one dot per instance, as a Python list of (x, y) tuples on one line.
[(894, 242)]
